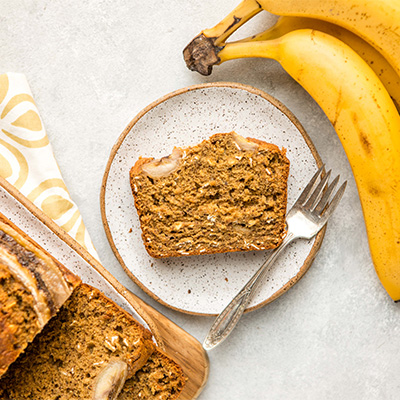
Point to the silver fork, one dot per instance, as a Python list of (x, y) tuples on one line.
[(305, 219)]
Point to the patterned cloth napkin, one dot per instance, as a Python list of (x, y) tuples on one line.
[(27, 160)]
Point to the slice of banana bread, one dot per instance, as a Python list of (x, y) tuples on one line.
[(226, 194), (33, 286), (159, 379), (85, 352)]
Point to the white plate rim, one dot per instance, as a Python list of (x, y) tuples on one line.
[(318, 239)]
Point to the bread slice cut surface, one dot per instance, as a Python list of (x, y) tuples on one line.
[(160, 378), (84, 352), (225, 194)]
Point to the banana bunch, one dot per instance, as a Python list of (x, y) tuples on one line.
[(347, 56)]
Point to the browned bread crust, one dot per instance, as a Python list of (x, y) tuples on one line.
[(33, 286), (66, 359), (225, 194)]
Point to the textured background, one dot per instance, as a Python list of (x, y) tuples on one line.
[(92, 65)]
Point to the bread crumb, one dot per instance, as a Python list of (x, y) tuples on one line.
[(223, 183)]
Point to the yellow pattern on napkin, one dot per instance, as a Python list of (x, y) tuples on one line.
[(27, 160)]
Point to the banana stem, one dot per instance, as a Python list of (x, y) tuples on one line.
[(264, 49), (246, 10), (202, 52)]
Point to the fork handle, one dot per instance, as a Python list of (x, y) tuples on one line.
[(229, 317)]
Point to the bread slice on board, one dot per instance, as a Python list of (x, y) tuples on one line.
[(86, 351), (33, 286), (160, 378)]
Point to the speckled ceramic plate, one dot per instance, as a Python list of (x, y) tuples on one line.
[(204, 284)]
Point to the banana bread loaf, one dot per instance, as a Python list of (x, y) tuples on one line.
[(33, 286), (225, 194), (85, 352), (159, 379)]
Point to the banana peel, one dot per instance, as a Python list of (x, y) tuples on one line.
[(362, 113)]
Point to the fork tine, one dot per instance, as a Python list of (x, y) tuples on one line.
[(324, 200), (317, 193), (333, 204), (310, 186)]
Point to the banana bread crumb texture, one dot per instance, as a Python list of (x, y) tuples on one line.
[(225, 194), (159, 379), (88, 334)]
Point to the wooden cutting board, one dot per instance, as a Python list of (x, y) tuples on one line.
[(173, 340)]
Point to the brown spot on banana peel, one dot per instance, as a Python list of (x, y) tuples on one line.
[(236, 20), (374, 191), (338, 108), (201, 54), (365, 143)]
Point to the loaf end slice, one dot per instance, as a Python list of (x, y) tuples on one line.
[(33, 286), (225, 194)]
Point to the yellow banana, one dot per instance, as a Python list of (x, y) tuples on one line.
[(376, 21), (373, 58), (366, 121)]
